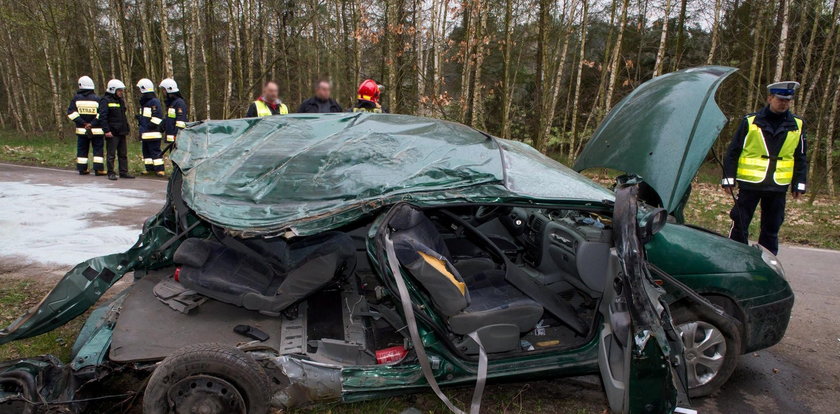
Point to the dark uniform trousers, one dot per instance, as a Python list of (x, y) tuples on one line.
[(117, 149), (86, 142), (772, 216)]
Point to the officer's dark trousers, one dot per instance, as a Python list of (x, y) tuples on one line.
[(84, 143), (152, 155), (772, 216), (116, 146)]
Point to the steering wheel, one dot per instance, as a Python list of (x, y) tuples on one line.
[(486, 213)]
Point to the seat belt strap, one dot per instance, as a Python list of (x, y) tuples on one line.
[(420, 350)]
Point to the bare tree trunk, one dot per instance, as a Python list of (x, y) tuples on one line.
[(754, 76), (143, 9), (506, 97), (782, 55), (192, 56), (548, 119), (616, 58), (663, 41), (829, 137), (715, 34), (539, 75), (166, 50), (678, 50), (477, 118), (584, 23)]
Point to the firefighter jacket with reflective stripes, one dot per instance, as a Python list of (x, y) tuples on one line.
[(112, 116), (176, 116), (768, 152), (150, 118), (83, 109)]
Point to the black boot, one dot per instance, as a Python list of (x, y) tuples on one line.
[(112, 176), (126, 175)]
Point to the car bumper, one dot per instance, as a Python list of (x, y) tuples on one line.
[(766, 323)]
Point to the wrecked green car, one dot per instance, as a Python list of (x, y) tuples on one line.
[(304, 258)]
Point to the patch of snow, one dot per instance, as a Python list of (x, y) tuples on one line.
[(53, 224)]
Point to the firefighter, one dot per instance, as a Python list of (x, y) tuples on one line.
[(367, 97), (150, 121), (113, 121), (83, 111), (268, 103), (176, 110), (766, 156)]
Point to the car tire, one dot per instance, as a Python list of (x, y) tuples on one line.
[(711, 351), (211, 378)]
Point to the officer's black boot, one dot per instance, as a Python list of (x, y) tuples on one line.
[(112, 176), (126, 175)]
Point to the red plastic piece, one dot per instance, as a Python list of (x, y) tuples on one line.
[(392, 354), (177, 274)]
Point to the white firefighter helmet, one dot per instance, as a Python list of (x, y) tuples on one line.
[(169, 85), (115, 84), (85, 82), (145, 85)]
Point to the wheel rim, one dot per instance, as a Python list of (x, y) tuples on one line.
[(205, 394), (705, 351)]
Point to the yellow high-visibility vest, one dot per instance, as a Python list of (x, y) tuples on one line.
[(755, 159), (264, 110)]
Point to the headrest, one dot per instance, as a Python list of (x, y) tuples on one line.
[(407, 217)]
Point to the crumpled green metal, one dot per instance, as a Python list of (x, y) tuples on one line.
[(303, 174), (82, 286)]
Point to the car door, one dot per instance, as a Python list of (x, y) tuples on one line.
[(640, 355)]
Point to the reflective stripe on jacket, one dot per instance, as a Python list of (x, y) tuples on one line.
[(176, 117), (754, 162), (83, 109), (150, 118)]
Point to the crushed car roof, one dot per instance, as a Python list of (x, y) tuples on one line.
[(305, 174)]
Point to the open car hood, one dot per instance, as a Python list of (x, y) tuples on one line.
[(662, 131)]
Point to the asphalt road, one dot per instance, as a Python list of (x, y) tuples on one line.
[(799, 375)]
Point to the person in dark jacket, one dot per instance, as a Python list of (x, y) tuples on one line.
[(82, 111), (149, 122), (176, 110), (767, 155), (113, 121), (268, 103), (322, 102)]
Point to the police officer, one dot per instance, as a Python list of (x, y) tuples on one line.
[(367, 97), (176, 109), (82, 111), (766, 156), (149, 122), (113, 121), (268, 103)]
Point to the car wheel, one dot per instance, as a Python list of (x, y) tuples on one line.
[(711, 352), (208, 379)]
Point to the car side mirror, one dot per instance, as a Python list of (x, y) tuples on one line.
[(651, 222)]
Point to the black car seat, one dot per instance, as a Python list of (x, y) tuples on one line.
[(482, 302), (264, 276)]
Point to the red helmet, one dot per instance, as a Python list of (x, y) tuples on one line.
[(368, 91)]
